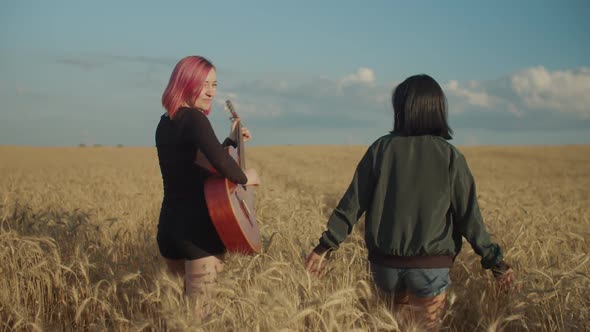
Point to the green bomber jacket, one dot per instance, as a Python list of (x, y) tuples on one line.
[(420, 200)]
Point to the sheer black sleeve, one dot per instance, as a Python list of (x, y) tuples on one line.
[(197, 129)]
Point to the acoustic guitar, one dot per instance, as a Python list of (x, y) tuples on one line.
[(231, 206)]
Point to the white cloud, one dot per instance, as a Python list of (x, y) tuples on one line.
[(530, 90), (535, 95), (363, 75), (472, 94), (286, 107), (258, 109), (357, 90), (246, 107), (511, 108), (564, 91)]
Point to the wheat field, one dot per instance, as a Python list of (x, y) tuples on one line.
[(78, 250)]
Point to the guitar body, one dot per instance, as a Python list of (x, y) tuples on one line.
[(231, 208)]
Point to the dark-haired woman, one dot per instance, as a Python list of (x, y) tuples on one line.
[(420, 200)]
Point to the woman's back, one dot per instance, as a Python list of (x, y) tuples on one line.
[(412, 195), (181, 177)]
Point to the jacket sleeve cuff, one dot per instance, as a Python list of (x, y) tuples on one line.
[(320, 249), (493, 258), (500, 268)]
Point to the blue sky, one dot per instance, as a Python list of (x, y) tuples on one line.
[(300, 72)]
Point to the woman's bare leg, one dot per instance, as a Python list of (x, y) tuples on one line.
[(429, 310), (199, 278), (399, 303)]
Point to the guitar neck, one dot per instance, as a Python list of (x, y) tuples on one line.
[(241, 147), (239, 139)]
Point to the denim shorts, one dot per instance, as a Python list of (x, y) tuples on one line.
[(418, 282)]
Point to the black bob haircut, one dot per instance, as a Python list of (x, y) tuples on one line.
[(420, 108)]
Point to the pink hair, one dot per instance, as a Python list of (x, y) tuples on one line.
[(186, 83)]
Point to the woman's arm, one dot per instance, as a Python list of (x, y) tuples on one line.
[(197, 129), (353, 204), (467, 216)]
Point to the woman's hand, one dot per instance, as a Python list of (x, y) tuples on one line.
[(316, 264), (505, 277), (253, 178), (506, 281), (245, 132)]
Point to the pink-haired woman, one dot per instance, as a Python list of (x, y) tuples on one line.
[(186, 236)]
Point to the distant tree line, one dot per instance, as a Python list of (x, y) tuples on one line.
[(82, 145)]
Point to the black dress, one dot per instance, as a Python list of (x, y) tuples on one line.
[(185, 230)]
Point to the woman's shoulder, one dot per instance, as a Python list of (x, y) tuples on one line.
[(385, 138), (396, 140), (401, 138), (444, 142), (190, 115), (448, 148)]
